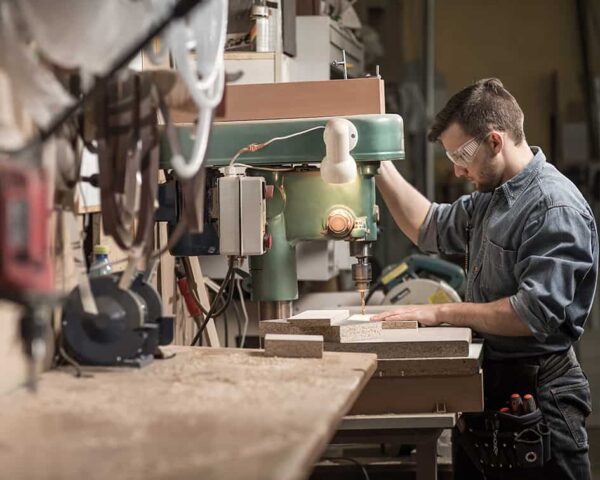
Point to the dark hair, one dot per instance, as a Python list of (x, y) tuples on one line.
[(479, 108)]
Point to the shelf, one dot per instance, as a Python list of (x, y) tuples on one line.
[(249, 55)]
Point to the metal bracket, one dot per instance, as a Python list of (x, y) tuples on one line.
[(337, 63)]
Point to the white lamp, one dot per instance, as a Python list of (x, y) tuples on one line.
[(340, 138)]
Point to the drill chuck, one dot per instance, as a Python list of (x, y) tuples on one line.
[(361, 274)]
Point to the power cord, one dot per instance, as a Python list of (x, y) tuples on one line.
[(229, 277), (362, 467)]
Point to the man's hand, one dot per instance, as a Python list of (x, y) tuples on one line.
[(427, 315)]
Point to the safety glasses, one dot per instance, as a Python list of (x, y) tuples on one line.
[(464, 154)]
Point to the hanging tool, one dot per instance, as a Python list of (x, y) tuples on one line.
[(191, 302), (26, 274), (529, 405), (516, 404)]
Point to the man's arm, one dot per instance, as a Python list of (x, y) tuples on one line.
[(406, 204), (495, 318)]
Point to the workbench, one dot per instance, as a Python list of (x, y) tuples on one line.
[(204, 414)]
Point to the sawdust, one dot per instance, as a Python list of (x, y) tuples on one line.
[(186, 417)]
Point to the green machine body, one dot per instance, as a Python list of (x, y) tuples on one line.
[(302, 205)]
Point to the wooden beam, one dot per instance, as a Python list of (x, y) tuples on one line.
[(266, 101)]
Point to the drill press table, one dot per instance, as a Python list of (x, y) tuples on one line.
[(206, 413)]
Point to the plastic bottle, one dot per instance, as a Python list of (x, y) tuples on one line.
[(101, 265)]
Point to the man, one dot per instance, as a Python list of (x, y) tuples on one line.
[(531, 254)]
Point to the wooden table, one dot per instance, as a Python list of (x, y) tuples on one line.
[(204, 414)]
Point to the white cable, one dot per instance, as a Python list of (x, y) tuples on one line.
[(244, 311), (268, 142), (203, 73)]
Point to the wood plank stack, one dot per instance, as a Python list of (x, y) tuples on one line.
[(420, 369)]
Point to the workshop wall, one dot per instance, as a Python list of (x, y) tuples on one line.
[(521, 42)]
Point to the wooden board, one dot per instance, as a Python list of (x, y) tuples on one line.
[(400, 324), (204, 414), (319, 318), (293, 346), (461, 393), (387, 324), (420, 367), (407, 343), (266, 101), (348, 331)]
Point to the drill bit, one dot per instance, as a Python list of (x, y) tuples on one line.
[(362, 302)]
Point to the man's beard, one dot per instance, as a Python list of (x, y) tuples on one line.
[(489, 180)]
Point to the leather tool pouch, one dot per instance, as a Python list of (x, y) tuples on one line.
[(501, 441)]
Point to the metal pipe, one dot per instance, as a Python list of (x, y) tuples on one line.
[(429, 90)]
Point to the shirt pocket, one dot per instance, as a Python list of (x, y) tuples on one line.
[(498, 272)]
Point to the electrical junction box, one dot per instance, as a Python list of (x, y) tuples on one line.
[(242, 215)]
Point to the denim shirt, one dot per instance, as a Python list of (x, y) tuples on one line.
[(533, 240)]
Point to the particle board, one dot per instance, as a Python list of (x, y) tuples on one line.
[(412, 343), (278, 327), (182, 418), (319, 318), (451, 393), (388, 324), (348, 331), (293, 346), (420, 367), (400, 324)]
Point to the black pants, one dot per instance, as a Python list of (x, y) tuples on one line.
[(563, 395)]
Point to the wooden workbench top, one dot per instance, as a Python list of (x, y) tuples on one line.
[(204, 414)]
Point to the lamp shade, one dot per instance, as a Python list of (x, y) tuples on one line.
[(340, 137)]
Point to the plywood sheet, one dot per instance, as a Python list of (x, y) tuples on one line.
[(407, 343), (183, 418)]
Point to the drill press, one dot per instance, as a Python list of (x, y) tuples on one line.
[(306, 193)]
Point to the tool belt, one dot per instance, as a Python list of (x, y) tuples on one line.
[(503, 441), (498, 441)]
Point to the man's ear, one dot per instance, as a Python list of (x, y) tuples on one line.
[(495, 142)]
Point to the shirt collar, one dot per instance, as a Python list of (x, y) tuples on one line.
[(516, 185)]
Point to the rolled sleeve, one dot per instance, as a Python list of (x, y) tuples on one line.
[(445, 226), (558, 252)]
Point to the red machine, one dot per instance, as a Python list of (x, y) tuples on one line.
[(25, 262)]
